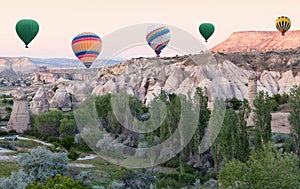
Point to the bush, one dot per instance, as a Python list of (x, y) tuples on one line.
[(116, 185), (167, 183), (234, 103), (172, 163), (3, 133), (274, 105), (73, 155), (174, 176), (58, 182), (186, 179), (279, 137), (12, 132), (266, 168), (51, 139), (209, 175), (8, 145), (68, 142), (41, 164)]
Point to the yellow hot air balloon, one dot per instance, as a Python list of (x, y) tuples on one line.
[(283, 24)]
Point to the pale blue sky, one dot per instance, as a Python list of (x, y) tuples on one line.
[(61, 20)]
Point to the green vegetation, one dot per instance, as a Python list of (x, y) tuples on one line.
[(58, 182), (267, 168), (262, 119), (294, 117), (240, 157)]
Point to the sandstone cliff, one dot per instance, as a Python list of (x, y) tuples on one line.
[(246, 41)]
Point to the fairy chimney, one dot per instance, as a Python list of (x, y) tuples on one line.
[(39, 103), (252, 89), (20, 117)]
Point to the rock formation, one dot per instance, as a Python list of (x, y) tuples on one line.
[(39, 103), (61, 100), (252, 93), (246, 41), (252, 89), (20, 116), (80, 90)]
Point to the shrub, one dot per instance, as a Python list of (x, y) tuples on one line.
[(266, 168), (186, 179), (3, 133), (274, 105), (68, 142), (12, 132), (279, 137), (73, 155), (173, 163), (41, 164), (167, 183), (58, 182), (51, 139)]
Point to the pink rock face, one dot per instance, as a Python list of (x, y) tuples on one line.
[(246, 41)]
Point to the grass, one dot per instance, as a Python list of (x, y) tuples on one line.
[(6, 167)]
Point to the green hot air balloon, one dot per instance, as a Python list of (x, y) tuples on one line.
[(206, 30), (27, 29)]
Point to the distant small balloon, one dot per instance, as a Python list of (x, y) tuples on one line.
[(158, 37), (206, 30), (86, 47), (27, 29), (283, 24)]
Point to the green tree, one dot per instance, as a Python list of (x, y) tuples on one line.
[(262, 119), (47, 124), (67, 127), (204, 114), (266, 168), (229, 135), (243, 150), (294, 117)]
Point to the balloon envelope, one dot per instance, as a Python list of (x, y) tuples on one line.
[(27, 29), (206, 30), (158, 37), (86, 47), (283, 24)]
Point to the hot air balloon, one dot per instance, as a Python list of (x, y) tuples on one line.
[(86, 47), (158, 37), (27, 29), (206, 30), (283, 24)]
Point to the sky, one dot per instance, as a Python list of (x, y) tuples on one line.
[(61, 20)]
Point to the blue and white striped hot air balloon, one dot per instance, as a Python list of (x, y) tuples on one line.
[(158, 37)]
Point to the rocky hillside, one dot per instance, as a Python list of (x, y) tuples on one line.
[(225, 75), (14, 66), (10, 67), (246, 41)]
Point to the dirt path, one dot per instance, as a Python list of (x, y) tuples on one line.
[(35, 140)]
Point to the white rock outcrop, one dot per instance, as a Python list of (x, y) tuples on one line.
[(20, 117), (39, 103), (61, 100)]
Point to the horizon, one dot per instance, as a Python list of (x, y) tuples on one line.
[(61, 21)]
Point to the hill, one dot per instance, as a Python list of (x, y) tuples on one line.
[(245, 41)]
